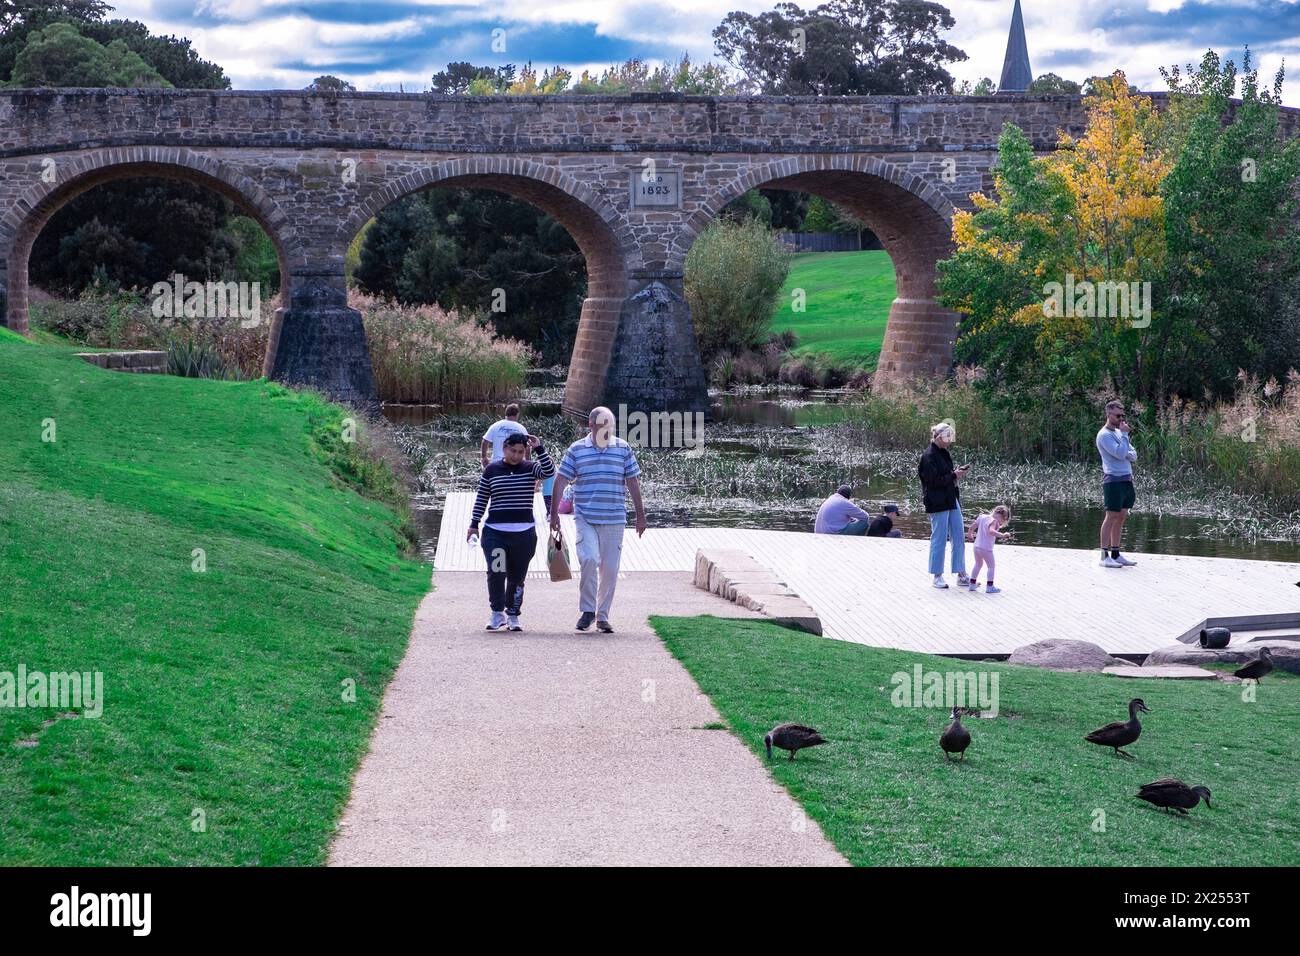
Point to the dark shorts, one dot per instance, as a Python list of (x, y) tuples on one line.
[(1118, 495)]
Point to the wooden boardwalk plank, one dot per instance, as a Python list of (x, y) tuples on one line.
[(876, 590)]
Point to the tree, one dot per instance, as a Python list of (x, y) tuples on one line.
[(843, 47), (1234, 247), (637, 76), (60, 56), (330, 84), (734, 275), (985, 87), (17, 12), (1049, 84), (1053, 275)]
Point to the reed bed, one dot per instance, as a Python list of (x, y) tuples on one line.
[(424, 354)]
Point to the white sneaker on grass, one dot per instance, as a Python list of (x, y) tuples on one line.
[(498, 621), (939, 582)]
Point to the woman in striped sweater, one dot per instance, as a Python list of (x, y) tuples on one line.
[(509, 537)]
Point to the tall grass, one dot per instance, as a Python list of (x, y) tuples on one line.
[(421, 353)]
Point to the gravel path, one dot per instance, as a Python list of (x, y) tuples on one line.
[(552, 747)]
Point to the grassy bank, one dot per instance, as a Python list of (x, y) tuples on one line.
[(203, 545), (1030, 790), (848, 295)]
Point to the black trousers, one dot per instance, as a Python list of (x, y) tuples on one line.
[(508, 555)]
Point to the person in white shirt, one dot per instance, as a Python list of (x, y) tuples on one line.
[(494, 438)]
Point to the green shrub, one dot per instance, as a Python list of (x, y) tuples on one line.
[(734, 275)]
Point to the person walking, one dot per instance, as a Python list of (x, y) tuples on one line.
[(509, 537), (601, 467), (839, 515), (942, 496), (986, 531), (492, 446), (1118, 496)]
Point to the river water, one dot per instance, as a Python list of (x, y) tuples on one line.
[(768, 461)]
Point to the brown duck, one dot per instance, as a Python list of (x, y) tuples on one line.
[(1121, 733), (1256, 668), (955, 738), (792, 737), (1173, 794)]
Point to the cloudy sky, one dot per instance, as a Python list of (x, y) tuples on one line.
[(379, 44)]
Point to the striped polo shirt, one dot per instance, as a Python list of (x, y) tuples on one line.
[(510, 489), (598, 476)]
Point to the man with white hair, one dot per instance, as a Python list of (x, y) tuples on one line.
[(600, 467)]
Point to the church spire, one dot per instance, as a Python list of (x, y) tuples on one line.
[(1016, 74)]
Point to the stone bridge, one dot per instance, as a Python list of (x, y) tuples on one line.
[(634, 180)]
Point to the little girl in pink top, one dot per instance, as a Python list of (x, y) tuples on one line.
[(985, 528)]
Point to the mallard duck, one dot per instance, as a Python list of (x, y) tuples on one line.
[(955, 738), (1121, 733), (1173, 794), (792, 737), (1258, 667)]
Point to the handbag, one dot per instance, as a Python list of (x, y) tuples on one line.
[(557, 557)]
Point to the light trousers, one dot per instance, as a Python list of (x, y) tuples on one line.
[(600, 548), (947, 526)]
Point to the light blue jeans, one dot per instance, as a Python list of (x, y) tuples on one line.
[(947, 526)]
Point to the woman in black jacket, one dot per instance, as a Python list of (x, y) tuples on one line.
[(942, 496)]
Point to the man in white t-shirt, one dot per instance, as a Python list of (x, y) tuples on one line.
[(494, 438)]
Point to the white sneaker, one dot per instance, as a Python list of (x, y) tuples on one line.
[(498, 621), (512, 623), (1126, 562), (939, 582), (1109, 562)]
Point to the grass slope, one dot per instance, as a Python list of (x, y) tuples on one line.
[(223, 689), (847, 305), (1031, 788)]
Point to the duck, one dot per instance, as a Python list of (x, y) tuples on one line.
[(792, 737), (1121, 733), (1173, 794), (1258, 667), (955, 738)]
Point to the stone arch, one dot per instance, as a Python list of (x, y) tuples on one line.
[(602, 235), (20, 227), (911, 217)]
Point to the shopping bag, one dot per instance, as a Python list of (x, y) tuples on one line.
[(557, 557)]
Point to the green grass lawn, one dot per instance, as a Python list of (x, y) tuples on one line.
[(1031, 790), (223, 689), (847, 305)]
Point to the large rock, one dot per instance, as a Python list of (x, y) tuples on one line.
[(1058, 654), (1286, 654)]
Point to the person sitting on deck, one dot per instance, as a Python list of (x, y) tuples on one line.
[(839, 515), (882, 526)]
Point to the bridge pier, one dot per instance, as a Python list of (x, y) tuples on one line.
[(318, 341), (918, 343), (638, 352)]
